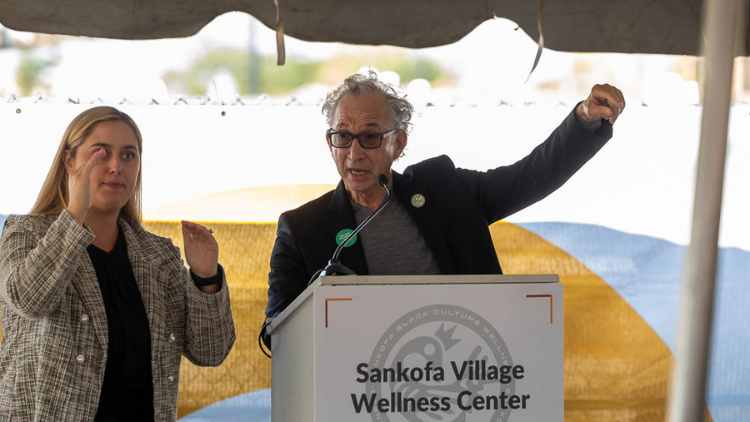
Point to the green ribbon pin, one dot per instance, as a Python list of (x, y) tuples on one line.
[(342, 234)]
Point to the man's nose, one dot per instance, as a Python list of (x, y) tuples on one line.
[(356, 150)]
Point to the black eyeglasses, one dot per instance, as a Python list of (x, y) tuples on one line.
[(367, 140)]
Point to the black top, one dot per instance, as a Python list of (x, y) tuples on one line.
[(127, 392)]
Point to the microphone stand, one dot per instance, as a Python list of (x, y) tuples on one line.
[(334, 267)]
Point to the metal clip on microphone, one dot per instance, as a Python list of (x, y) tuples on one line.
[(334, 267)]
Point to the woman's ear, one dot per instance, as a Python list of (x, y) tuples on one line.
[(68, 162)]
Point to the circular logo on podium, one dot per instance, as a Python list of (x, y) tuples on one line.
[(440, 363)]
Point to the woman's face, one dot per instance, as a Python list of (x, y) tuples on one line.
[(112, 180)]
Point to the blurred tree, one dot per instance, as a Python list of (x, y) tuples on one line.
[(195, 80), (275, 80), (30, 73), (295, 73), (287, 78), (408, 68)]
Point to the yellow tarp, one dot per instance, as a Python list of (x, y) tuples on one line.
[(616, 366)]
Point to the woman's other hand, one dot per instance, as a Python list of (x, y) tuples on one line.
[(201, 249)]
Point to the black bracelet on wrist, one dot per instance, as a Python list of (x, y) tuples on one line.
[(210, 281)]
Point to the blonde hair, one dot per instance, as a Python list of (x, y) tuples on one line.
[(53, 197)]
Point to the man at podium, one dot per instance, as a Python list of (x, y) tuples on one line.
[(436, 217)]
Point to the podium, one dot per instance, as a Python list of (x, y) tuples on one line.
[(420, 348)]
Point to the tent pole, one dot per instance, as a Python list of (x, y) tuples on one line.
[(687, 402)]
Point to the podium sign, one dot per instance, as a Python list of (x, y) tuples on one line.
[(437, 348)]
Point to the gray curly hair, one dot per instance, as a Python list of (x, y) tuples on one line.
[(359, 84)]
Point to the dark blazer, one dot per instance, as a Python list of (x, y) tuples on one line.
[(460, 205)]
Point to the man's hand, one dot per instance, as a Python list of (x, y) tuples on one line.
[(604, 102)]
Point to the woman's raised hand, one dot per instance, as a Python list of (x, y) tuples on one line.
[(80, 186), (201, 249)]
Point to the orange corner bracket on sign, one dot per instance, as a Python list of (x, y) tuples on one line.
[(551, 306), (334, 299)]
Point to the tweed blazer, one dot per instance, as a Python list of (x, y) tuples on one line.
[(54, 350)]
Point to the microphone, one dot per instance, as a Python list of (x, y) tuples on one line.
[(334, 267)]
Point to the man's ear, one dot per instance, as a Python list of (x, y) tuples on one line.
[(401, 141)]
